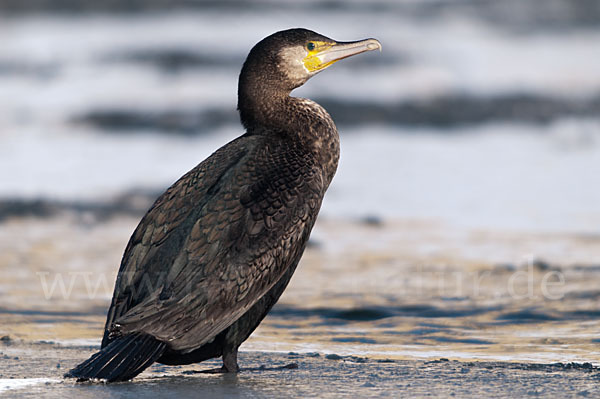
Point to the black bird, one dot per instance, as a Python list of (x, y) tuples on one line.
[(216, 250)]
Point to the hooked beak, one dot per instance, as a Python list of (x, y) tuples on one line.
[(325, 54)]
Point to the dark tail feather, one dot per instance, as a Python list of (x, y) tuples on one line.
[(121, 360)]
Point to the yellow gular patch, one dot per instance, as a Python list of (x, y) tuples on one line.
[(312, 62)]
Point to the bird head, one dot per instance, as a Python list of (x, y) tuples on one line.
[(289, 58)]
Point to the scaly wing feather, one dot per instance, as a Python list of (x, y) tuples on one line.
[(224, 254)]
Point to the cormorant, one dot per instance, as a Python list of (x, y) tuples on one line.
[(216, 250)]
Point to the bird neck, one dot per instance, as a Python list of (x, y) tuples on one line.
[(265, 110), (261, 106)]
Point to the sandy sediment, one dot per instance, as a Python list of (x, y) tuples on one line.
[(384, 288)]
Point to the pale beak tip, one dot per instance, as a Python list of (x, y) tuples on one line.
[(374, 45)]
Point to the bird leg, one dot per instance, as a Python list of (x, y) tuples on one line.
[(230, 360), (229, 363)]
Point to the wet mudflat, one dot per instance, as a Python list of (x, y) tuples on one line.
[(316, 375), (376, 309)]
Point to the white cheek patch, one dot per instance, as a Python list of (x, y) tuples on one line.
[(294, 58)]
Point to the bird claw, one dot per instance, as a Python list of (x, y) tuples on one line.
[(223, 370), (220, 370)]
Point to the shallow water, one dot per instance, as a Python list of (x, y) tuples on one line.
[(443, 125)]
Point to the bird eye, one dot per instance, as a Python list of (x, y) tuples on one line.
[(310, 46)]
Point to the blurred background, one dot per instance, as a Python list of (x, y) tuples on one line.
[(470, 163), (477, 113)]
